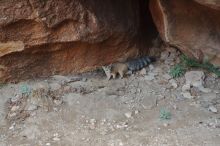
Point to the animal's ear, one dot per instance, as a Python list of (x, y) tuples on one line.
[(110, 65)]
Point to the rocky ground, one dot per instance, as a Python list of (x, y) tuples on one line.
[(146, 108)]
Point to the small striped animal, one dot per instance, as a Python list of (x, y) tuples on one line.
[(122, 68)]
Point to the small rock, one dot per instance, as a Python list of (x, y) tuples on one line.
[(14, 108), (12, 127), (173, 83), (84, 79), (56, 139), (60, 79), (151, 67), (167, 76), (205, 90), (10, 115), (48, 144), (139, 90), (136, 112), (92, 126), (66, 88), (143, 72), (149, 77), (54, 86), (122, 125), (175, 107), (164, 55), (121, 144), (196, 79), (15, 98), (213, 109), (92, 121), (186, 87), (128, 114), (166, 124), (41, 85), (187, 95), (31, 107), (58, 102)]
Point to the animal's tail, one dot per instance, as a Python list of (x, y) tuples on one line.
[(140, 63)]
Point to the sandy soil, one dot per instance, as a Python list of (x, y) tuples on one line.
[(88, 110)]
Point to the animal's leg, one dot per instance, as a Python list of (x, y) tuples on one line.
[(113, 75), (109, 77), (121, 73)]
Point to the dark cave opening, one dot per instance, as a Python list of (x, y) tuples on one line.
[(148, 30), (147, 26)]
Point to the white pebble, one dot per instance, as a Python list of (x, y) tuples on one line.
[(213, 109), (128, 114)]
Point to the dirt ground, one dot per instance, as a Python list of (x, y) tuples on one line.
[(87, 110)]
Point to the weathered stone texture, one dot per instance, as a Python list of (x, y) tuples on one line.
[(46, 37), (192, 26)]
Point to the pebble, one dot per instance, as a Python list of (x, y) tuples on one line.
[(164, 55), (187, 95), (167, 76), (205, 90), (166, 124), (213, 109), (136, 112), (54, 86), (92, 121), (84, 79), (12, 127), (173, 83), (56, 139), (143, 72), (58, 102), (139, 90), (149, 77), (31, 107), (92, 124), (121, 144), (128, 114), (151, 67), (14, 108), (48, 144), (196, 79), (186, 87), (12, 114), (122, 125), (15, 98)]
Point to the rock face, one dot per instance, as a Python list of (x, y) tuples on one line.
[(46, 37), (192, 26)]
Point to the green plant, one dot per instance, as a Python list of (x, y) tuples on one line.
[(177, 71), (1, 85), (186, 61), (25, 90), (165, 114)]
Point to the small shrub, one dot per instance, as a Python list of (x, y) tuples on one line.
[(1, 85), (177, 71), (164, 114), (185, 63), (25, 90)]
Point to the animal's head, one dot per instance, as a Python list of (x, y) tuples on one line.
[(107, 69)]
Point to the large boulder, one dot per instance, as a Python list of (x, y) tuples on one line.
[(191, 25), (46, 37)]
